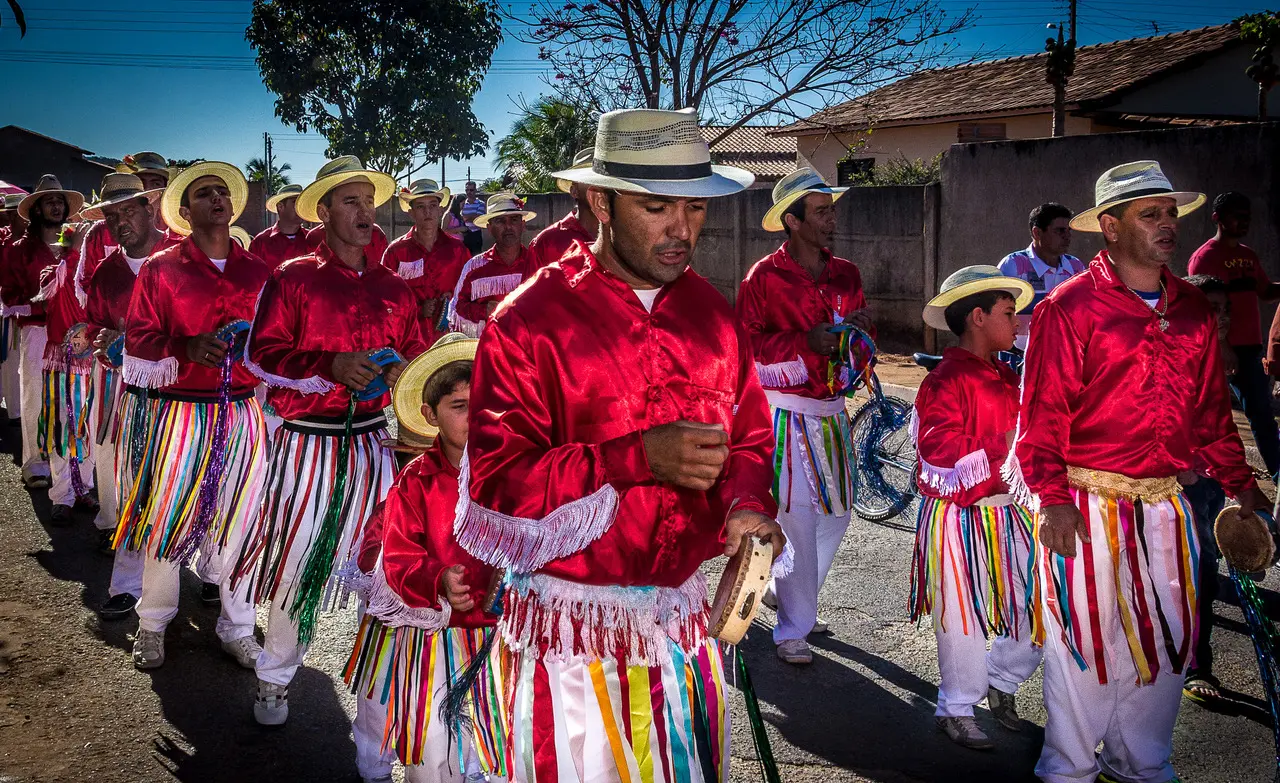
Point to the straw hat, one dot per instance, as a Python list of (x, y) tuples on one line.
[(150, 162), (118, 188), (580, 161), (1130, 182), (241, 236), (407, 396), (421, 188), (792, 188), (48, 186), (972, 280), (340, 171), (12, 200), (659, 152), (501, 204), (172, 199), (288, 191)]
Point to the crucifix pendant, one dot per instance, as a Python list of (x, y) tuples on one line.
[(1164, 325)]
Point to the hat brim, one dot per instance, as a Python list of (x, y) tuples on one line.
[(239, 234), (406, 202), (1019, 289), (483, 220), (1087, 221), (564, 184), (406, 398), (171, 202), (724, 181), (773, 218), (273, 203), (384, 187), (94, 211), (75, 202)]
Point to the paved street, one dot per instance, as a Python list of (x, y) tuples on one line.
[(73, 708)]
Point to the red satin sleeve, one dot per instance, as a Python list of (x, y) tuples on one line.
[(1054, 370), (476, 312), (750, 464), (1216, 438), (770, 347), (147, 334), (413, 570), (273, 344)]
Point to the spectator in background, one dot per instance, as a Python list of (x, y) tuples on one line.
[(580, 225), (472, 207), (1225, 257), (1045, 264)]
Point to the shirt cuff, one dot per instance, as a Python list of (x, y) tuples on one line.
[(624, 461)]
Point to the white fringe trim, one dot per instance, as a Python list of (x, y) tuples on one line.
[(781, 374), (385, 604), (1011, 472), (54, 283), (411, 270), (82, 296), (970, 471), (467, 327), (786, 561), (149, 374), (313, 385), (499, 285), (525, 545), (15, 311)]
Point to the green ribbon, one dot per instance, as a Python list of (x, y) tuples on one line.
[(768, 767)]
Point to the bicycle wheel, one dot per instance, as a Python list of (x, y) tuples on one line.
[(884, 483)]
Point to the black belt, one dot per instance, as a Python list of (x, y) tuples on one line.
[(199, 399), (336, 426)]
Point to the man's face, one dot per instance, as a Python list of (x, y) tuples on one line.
[(1054, 239), (471, 189), (287, 209), (425, 211), (1146, 231), (350, 214), (451, 416), (653, 236), (819, 224), (1220, 304), (1234, 221), (507, 231), (52, 209), (152, 181), (130, 222), (208, 203)]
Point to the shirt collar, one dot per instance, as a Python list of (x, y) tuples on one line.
[(434, 461), (784, 260), (1104, 275), (325, 255), (192, 252)]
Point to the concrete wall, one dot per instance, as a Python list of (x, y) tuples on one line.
[(1217, 87)]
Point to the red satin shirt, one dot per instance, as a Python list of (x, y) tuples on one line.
[(1105, 388), (487, 279), (555, 240), (275, 247), (569, 373), (430, 274), (372, 251), (779, 303), (316, 307), (965, 407), (62, 309), (418, 543), (98, 244), (179, 294), (24, 260)]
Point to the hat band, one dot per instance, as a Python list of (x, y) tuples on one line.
[(1129, 195), (647, 171), (111, 195)]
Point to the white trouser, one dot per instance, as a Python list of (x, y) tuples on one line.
[(104, 456), (158, 604), (967, 668), (367, 730), (9, 373), (31, 388), (61, 489), (282, 653)]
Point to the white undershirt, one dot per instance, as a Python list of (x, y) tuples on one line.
[(647, 296), (1152, 299), (221, 263), (134, 263)]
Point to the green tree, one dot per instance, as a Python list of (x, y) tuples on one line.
[(256, 171), (544, 139), (380, 79), (901, 171), (1263, 30), (184, 163)]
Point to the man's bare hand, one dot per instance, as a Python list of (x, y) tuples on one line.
[(1230, 362), (740, 523), (823, 341), (489, 307), (354, 369), (456, 590), (105, 338), (1060, 525), (686, 453), (431, 310), (391, 373), (1252, 500), (206, 350), (861, 319)]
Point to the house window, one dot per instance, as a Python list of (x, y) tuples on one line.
[(981, 131), (849, 170)]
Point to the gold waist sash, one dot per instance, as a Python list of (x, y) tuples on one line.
[(1115, 485)]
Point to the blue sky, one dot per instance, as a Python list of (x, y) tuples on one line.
[(119, 76)]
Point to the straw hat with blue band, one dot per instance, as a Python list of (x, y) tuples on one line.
[(171, 202), (118, 188), (422, 188), (288, 191), (1130, 182), (974, 280), (791, 189), (658, 152), (406, 398), (336, 173), (580, 161)]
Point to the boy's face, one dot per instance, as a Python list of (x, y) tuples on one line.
[(1220, 303), (1001, 326), (451, 415)]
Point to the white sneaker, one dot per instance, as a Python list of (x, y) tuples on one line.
[(965, 732), (820, 627), (148, 649), (769, 599), (245, 650), (795, 651), (272, 705)]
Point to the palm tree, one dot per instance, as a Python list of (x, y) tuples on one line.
[(544, 139), (256, 171)]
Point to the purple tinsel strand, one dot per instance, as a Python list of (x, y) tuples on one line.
[(207, 507), (71, 433)]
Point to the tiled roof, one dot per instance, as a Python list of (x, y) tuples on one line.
[(1018, 83), (752, 147)]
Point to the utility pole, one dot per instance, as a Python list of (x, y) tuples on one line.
[(266, 182), (1061, 64), (442, 179)]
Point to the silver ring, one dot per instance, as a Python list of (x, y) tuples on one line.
[(208, 355)]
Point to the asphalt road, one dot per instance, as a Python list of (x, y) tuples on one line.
[(72, 708)]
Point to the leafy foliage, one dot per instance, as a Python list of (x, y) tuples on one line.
[(19, 17), (183, 163), (256, 171), (380, 79), (901, 171), (1263, 30), (543, 140)]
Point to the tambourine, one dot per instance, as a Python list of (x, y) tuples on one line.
[(378, 386), (1248, 544), (236, 336), (79, 340), (741, 589), (497, 590), (848, 368), (115, 351)]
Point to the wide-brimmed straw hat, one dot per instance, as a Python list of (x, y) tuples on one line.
[(421, 188), (178, 184), (150, 162), (658, 152), (1130, 182), (241, 236), (288, 191), (11, 201), (49, 186), (501, 205), (580, 161), (340, 171), (118, 188), (790, 189), (972, 280), (406, 398)]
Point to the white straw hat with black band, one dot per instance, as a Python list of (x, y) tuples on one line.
[(580, 161), (117, 188), (422, 188), (287, 192), (1130, 182)]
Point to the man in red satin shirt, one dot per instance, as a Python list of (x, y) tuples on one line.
[(580, 225), (427, 258), (286, 239)]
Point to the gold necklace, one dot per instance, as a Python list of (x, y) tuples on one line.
[(1163, 323)]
